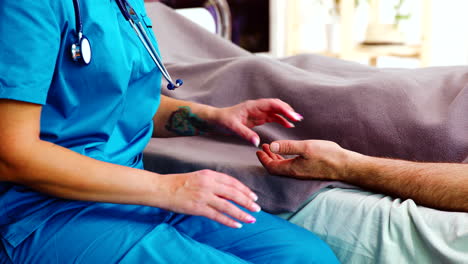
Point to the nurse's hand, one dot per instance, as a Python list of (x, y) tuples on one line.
[(242, 117), (207, 193)]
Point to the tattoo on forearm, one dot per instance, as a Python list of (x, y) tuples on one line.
[(185, 123)]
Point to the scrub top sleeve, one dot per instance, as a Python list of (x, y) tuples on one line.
[(29, 45)]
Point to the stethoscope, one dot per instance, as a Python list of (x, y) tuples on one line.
[(81, 50)]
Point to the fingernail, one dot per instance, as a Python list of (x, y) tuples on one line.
[(250, 219), (256, 208), (297, 116), (238, 225), (254, 197), (255, 141), (274, 147)]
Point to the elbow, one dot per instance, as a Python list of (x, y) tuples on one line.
[(8, 168), (14, 158)]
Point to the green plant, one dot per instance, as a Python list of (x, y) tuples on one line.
[(398, 15)]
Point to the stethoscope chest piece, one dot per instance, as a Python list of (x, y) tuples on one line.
[(81, 51)]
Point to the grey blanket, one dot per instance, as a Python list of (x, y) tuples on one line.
[(419, 115)]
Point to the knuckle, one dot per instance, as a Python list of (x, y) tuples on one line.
[(196, 207), (278, 102), (223, 176), (233, 196), (212, 214), (228, 180), (232, 210), (240, 198), (286, 147), (204, 172), (225, 205), (243, 188), (309, 146), (246, 202), (229, 122), (198, 197), (201, 183), (205, 179), (239, 185), (217, 217), (239, 214), (334, 144), (244, 133)]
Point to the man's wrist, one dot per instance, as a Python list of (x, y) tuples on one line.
[(354, 164)]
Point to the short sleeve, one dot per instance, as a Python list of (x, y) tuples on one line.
[(29, 45)]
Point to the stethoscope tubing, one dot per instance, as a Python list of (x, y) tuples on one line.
[(150, 48), (127, 11), (79, 24)]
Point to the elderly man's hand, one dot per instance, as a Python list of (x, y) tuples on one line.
[(315, 159)]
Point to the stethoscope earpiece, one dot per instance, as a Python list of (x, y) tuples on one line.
[(172, 86)]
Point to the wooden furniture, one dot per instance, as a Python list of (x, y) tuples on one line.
[(348, 48), (351, 51)]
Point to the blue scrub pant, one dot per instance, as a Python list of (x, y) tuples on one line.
[(111, 233)]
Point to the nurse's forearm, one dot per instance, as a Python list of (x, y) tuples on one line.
[(60, 172), (438, 185), (182, 118), (63, 173)]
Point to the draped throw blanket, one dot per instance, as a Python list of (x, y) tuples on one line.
[(419, 115)]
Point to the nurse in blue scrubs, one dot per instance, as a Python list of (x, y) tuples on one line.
[(72, 184)]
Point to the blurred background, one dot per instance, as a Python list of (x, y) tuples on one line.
[(382, 33)]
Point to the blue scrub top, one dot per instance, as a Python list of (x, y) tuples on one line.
[(103, 110)]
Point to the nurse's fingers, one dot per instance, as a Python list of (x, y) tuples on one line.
[(246, 133), (238, 197), (213, 214), (279, 107), (225, 207), (280, 120), (233, 182)]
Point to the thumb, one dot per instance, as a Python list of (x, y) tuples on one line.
[(288, 147)]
